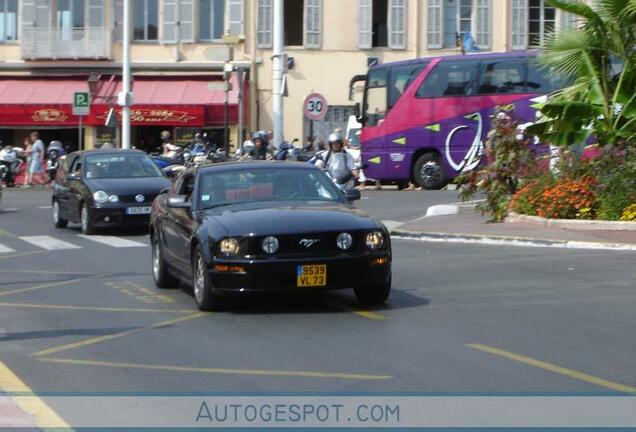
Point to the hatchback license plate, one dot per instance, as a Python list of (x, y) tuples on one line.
[(138, 210), (312, 276)]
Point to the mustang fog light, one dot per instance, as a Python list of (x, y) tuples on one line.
[(375, 240), (270, 245), (100, 197), (344, 241), (229, 246)]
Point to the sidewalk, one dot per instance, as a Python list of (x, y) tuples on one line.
[(472, 227)]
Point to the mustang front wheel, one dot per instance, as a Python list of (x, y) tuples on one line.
[(201, 282), (374, 295), (163, 279)]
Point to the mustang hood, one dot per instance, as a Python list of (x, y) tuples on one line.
[(127, 186), (264, 219)]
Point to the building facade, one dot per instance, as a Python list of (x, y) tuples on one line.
[(50, 49)]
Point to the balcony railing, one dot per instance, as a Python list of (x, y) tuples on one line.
[(66, 43)]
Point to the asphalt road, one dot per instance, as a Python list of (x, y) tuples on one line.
[(85, 317)]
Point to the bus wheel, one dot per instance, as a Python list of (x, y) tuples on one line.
[(428, 172)]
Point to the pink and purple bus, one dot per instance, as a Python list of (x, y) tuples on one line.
[(426, 120)]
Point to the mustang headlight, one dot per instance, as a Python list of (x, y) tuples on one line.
[(375, 240), (229, 246), (344, 241), (270, 245), (101, 197)]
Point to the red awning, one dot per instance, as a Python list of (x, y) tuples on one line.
[(169, 101)]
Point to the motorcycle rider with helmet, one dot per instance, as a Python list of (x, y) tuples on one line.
[(259, 151), (337, 161), (10, 164)]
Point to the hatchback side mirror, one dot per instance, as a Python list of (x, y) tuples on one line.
[(179, 202), (352, 195)]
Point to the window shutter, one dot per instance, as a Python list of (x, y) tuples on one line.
[(434, 24), (118, 23), (43, 13), (519, 24), (397, 24), (28, 13), (365, 24), (567, 20), (96, 13), (482, 26), (235, 17), (186, 20), (313, 23), (169, 23), (264, 24)]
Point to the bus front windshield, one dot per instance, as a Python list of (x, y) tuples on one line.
[(376, 97)]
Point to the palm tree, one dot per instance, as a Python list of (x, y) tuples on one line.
[(599, 58)]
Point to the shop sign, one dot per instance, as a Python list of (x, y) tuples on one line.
[(160, 116), (49, 115)]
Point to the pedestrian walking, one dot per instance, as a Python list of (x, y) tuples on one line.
[(36, 153)]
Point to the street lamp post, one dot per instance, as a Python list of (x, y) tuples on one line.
[(125, 99)]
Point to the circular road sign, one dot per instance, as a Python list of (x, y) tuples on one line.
[(315, 107)]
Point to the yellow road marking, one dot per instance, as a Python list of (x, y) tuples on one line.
[(42, 415), (91, 308), (261, 372), (48, 285), (361, 312), (100, 339), (554, 368), (21, 255), (45, 272)]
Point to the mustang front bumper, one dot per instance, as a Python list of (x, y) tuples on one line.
[(282, 274)]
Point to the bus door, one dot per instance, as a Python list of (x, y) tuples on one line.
[(375, 108), (453, 115)]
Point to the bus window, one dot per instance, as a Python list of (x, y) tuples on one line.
[(401, 79), (376, 98), (451, 78), (540, 80), (502, 76)]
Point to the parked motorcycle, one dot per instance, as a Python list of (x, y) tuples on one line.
[(11, 161)]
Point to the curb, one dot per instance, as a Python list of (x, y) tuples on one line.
[(452, 209), (573, 224), (437, 237)]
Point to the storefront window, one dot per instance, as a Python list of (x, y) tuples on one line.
[(146, 20), (8, 20), (184, 136), (105, 135)]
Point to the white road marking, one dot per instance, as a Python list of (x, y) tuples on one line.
[(9, 210), (49, 243), (116, 242), (5, 249), (44, 208)]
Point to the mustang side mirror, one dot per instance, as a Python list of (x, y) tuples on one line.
[(179, 202), (352, 195)]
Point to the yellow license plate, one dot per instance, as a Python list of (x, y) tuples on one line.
[(312, 276)]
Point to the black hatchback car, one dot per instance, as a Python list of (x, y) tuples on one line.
[(263, 227), (104, 188)]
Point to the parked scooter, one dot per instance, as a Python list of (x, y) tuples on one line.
[(11, 161), (287, 151), (54, 154)]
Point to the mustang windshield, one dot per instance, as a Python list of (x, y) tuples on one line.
[(242, 186), (112, 166)]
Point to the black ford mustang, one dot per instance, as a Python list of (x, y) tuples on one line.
[(266, 226), (101, 188)]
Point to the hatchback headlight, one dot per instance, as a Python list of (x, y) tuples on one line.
[(375, 240), (270, 245), (344, 241), (229, 246), (101, 197)]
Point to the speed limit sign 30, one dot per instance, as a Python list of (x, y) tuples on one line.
[(315, 107)]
